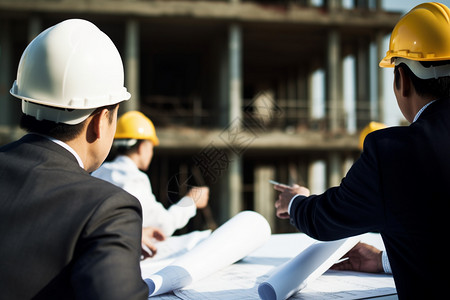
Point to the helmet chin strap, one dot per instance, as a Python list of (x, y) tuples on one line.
[(423, 72)]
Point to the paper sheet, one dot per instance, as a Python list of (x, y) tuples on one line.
[(304, 268), (170, 249), (241, 280), (347, 285), (238, 281), (232, 241)]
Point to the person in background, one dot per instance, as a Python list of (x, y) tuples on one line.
[(63, 233), (134, 141), (399, 185)]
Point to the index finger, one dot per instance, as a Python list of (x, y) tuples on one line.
[(281, 187)]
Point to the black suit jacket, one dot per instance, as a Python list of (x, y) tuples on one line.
[(63, 233), (400, 187)]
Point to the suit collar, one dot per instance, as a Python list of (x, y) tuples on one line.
[(45, 142)]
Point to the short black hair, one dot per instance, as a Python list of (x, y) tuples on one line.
[(122, 150), (438, 88), (126, 150), (60, 131)]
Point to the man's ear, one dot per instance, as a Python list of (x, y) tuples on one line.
[(96, 124)]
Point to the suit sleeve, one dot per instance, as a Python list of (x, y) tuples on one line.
[(352, 208), (108, 255)]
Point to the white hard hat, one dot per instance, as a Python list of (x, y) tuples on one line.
[(68, 71)]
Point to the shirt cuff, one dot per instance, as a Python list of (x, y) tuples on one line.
[(186, 201), (385, 262), (290, 204)]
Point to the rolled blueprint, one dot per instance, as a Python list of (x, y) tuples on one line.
[(304, 268), (232, 241)]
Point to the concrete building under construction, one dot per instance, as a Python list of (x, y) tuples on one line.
[(231, 86)]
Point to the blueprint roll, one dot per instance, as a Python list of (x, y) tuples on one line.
[(232, 241), (312, 262)]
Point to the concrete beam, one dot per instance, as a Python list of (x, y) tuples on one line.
[(232, 11), (195, 140)]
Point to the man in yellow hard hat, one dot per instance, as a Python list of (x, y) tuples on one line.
[(65, 234), (399, 185), (134, 140)]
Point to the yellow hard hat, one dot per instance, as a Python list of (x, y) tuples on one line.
[(372, 126), (423, 34), (135, 125)]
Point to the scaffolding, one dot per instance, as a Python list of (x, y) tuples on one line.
[(231, 87)]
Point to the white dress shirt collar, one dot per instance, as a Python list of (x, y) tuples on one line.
[(421, 110), (65, 146)]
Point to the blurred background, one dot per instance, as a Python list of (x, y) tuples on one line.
[(240, 91)]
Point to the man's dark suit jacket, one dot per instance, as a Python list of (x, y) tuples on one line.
[(400, 187), (63, 233)]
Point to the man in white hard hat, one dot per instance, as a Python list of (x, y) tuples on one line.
[(134, 140), (65, 234)]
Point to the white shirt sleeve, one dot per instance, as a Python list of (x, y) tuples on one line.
[(290, 204), (124, 173), (385, 262)]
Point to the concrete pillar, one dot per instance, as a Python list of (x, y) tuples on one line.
[(132, 65), (380, 77), (316, 93), (379, 4), (349, 69), (348, 163), (235, 70), (334, 81), (317, 177), (333, 4), (235, 112), (335, 169), (310, 95), (264, 196), (363, 84)]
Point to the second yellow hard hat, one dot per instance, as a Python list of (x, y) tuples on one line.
[(371, 127), (135, 125)]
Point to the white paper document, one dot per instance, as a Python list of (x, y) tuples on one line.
[(347, 285), (231, 242), (307, 266), (171, 249), (242, 279)]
